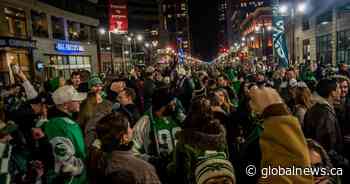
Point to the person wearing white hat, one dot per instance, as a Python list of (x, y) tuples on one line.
[(67, 99), (66, 138)]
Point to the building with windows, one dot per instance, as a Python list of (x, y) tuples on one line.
[(143, 15), (174, 24), (240, 10), (323, 34), (257, 33), (47, 38)]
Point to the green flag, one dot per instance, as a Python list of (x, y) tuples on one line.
[(279, 37)]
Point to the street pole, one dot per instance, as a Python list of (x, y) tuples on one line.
[(99, 47), (292, 34), (123, 55), (131, 54), (111, 45)]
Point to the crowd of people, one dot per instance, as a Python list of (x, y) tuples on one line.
[(176, 125)]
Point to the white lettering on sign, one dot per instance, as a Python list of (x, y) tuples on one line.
[(21, 43), (69, 47), (3, 42)]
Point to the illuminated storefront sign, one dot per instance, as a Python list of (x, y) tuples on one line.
[(68, 47), (18, 43)]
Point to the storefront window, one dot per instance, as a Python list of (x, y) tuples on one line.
[(343, 47), (324, 49), (65, 64), (16, 21), (73, 31), (86, 60), (305, 23), (306, 51), (39, 24), (59, 60), (79, 60), (343, 11), (72, 60), (324, 18), (58, 27)]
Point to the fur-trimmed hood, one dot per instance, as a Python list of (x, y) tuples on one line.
[(203, 140)]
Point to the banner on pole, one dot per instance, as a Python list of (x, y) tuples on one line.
[(279, 37), (118, 16), (181, 54)]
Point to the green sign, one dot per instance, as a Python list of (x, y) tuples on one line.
[(279, 37)]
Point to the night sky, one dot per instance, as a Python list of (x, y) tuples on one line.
[(204, 28)]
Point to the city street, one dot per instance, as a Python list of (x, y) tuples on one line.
[(174, 91)]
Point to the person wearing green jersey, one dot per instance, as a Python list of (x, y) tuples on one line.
[(155, 133), (66, 139)]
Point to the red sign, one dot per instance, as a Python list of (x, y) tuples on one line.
[(118, 16)]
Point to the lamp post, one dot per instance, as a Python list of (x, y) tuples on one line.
[(264, 33), (102, 32), (135, 41), (291, 10)]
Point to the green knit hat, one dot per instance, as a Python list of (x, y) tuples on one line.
[(54, 84), (94, 80), (214, 168)]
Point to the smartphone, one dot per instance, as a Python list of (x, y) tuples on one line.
[(15, 68)]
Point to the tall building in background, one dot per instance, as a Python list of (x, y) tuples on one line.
[(240, 10), (143, 15), (223, 17), (174, 24)]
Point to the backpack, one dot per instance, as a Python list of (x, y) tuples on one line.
[(214, 166)]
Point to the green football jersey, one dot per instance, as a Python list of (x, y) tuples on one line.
[(166, 129)]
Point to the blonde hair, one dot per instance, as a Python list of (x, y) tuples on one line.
[(303, 96)]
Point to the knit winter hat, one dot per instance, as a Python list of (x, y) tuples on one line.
[(214, 168), (54, 84), (94, 80)]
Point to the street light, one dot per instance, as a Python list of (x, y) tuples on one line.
[(147, 45), (252, 38), (283, 9), (291, 11), (257, 28), (102, 31), (243, 39), (126, 52), (269, 28), (139, 38), (301, 7), (129, 38)]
